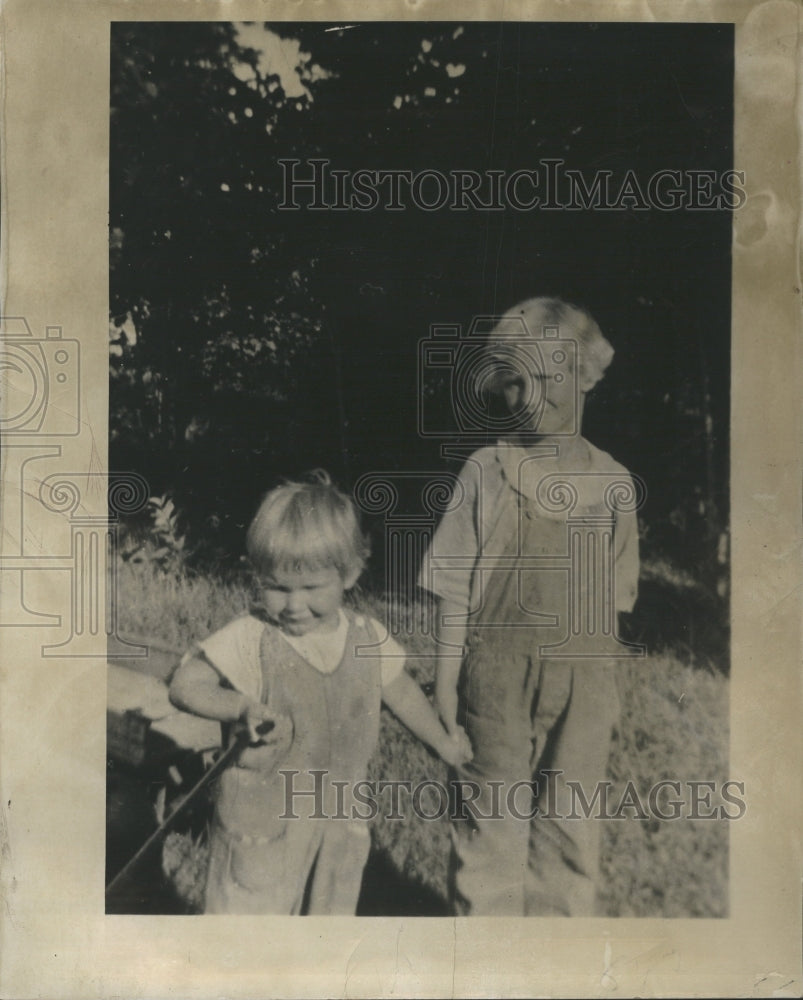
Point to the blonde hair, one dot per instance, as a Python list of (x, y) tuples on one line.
[(573, 322), (307, 525)]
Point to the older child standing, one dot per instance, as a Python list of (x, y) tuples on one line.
[(537, 720), (296, 663)]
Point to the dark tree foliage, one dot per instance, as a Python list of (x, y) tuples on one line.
[(271, 340), (227, 326)]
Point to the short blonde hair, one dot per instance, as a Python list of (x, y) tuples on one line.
[(307, 525), (573, 322)]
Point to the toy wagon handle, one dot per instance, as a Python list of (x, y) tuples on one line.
[(164, 828)]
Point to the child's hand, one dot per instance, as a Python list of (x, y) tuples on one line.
[(257, 720), (464, 743), (457, 749)]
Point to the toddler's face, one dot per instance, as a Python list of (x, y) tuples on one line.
[(302, 601)]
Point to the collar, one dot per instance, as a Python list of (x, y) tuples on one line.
[(551, 489)]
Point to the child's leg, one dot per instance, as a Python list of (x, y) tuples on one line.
[(256, 874), (216, 899), (337, 876), (491, 846), (264, 870), (563, 865), (490, 854)]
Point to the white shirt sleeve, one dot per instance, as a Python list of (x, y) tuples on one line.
[(234, 652)]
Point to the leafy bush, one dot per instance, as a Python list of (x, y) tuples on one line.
[(161, 544)]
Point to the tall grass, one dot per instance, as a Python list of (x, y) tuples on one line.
[(674, 725), (174, 609)]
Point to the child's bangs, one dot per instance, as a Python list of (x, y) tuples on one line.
[(307, 528), (308, 552)]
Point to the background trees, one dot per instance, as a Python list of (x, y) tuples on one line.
[(249, 342)]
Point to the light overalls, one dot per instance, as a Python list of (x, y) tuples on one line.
[(526, 712), (524, 715), (260, 862)]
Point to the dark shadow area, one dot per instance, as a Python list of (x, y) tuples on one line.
[(130, 820), (386, 893), (687, 621)]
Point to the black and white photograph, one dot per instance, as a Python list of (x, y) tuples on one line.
[(461, 290), (401, 500)]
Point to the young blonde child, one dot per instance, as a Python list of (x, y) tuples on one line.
[(299, 684), (535, 715)]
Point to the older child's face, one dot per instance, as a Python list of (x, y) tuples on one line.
[(548, 391), (302, 601)]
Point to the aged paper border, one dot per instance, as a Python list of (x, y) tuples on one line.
[(54, 938)]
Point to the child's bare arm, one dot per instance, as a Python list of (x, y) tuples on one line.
[(196, 688), (407, 701), (451, 639)]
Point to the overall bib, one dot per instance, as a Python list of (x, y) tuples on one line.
[(273, 847), (527, 714)]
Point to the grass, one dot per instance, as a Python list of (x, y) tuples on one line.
[(174, 609), (674, 725)]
